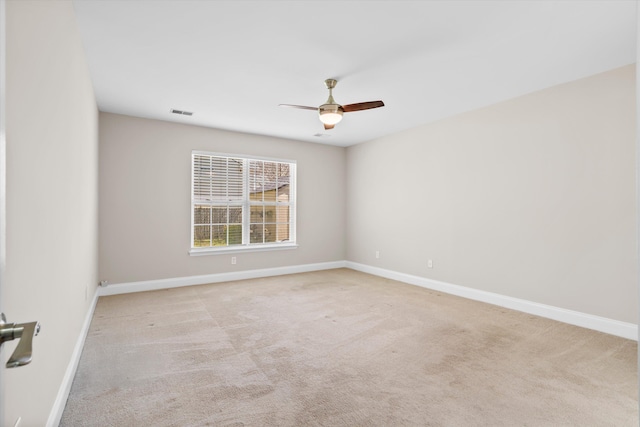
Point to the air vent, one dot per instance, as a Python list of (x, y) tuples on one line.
[(184, 113), (322, 135)]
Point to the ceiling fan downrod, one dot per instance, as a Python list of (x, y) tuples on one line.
[(330, 84)]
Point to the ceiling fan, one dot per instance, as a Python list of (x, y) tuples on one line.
[(331, 112)]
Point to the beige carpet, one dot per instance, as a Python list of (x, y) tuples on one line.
[(342, 348)]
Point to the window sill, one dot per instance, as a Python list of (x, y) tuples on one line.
[(238, 249)]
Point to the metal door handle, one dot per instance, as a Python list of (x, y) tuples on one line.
[(25, 332)]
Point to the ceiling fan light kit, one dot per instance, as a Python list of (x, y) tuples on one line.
[(331, 112)]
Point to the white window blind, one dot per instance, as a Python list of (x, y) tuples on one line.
[(239, 202)]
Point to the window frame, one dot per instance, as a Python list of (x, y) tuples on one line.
[(246, 245)]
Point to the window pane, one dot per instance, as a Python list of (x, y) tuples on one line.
[(201, 236), (219, 235), (270, 181), (257, 214), (270, 192), (219, 215), (256, 179), (283, 190), (269, 214), (202, 177), (235, 215), (257, 233), (284, 177), (282, 232), (234, 180), (218, 177), (235, 234), (284, 169), (201, 214), (257, 226), (270, 233), (282, 214)]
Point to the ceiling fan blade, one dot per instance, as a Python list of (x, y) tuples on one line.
[(302, 107), (362, 106), (327, 127)]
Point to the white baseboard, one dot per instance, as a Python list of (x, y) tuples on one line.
[(153, 285), (601, 324), (65, 386)]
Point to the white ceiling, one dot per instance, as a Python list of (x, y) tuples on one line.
[(233, 62)]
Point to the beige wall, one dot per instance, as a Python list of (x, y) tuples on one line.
[(52, 177), (532, 198), (145, 172)]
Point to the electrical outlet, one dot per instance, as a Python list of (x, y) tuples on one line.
[(430, 264), (377, 254), (233, 260)]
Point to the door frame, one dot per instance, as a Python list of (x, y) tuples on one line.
[(3, 175)]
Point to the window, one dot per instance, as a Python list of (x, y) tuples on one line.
[(240, 203)]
